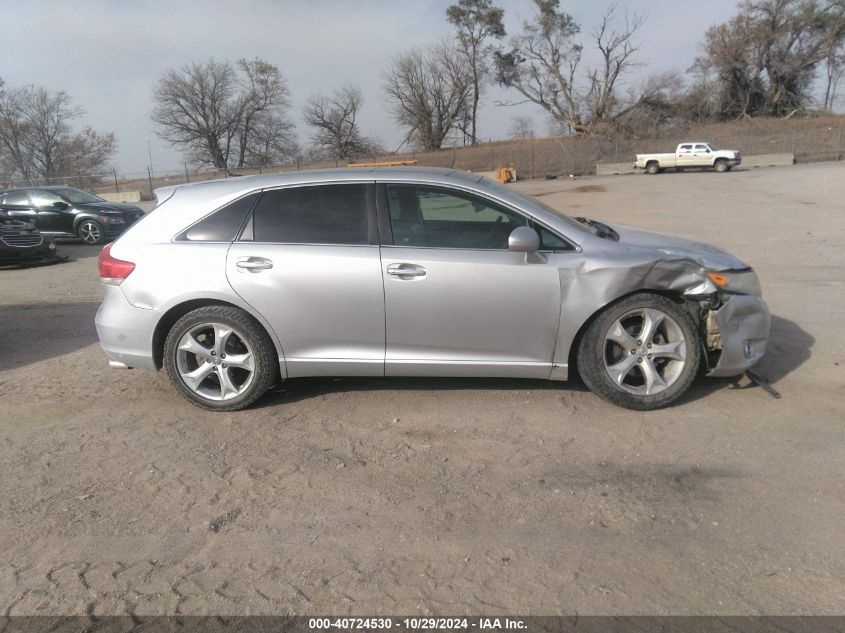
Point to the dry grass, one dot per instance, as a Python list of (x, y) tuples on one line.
[(809, 139)]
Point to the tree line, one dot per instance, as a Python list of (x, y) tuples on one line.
[(770, 59)]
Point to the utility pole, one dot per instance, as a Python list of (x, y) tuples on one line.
[(150, 154)]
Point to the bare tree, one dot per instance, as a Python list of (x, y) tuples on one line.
[(264, 99), (429, 91), (475, 21), (543, 66), (335, 122), (766, 57), (271, 142), (617, 49), (37, 140), (211, 112), (543, 61), (521, 127)]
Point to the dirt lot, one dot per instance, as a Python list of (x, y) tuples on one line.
[(428, 496)]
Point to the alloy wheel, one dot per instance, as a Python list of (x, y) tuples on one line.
[(644, 351), (215, 361), (90, 232)]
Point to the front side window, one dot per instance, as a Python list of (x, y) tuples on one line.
[(321, 214), (551, 242), (440, 218), (77, 196), (702, 148), (45, 198)]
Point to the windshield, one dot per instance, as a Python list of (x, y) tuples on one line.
[(77, 196), (712, 147)]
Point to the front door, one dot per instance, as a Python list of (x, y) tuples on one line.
[(457, 301), (309, 263), (51, 211)]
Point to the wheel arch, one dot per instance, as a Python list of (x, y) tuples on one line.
[(79, 218), (176, 312)]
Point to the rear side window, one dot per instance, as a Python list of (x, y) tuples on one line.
[(224, 224), (322, 214), (16, 198)]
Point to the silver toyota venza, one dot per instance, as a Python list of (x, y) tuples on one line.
[(234, 284)]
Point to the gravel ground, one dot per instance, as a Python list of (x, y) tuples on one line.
[(443, 496)]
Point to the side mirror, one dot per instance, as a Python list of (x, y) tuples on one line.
[(61, 206), (523, 239)]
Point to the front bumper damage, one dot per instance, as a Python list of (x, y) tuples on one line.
[(736, 334)]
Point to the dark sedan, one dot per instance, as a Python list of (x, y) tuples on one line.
[(22, 245), (69, 212)]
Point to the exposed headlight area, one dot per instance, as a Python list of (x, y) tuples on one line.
[(738, 282)]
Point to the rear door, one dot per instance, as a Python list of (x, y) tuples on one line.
[(457, 301), (17, 206), (685, 156), (309, 262)]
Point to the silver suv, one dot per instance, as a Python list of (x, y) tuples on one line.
[(234, 284)]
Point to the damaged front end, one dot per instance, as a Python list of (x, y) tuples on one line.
[(735, 332)]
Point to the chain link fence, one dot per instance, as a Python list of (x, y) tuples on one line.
[(808, 141)]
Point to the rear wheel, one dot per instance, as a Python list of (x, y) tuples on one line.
[(220, 358), (640, 353), (722, 165), (652, 168), (91, 232)]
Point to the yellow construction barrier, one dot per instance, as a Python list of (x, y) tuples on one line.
[(387, 163)]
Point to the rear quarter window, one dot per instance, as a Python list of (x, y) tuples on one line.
[(224, 224)]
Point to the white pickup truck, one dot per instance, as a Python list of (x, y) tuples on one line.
[(690, 155)]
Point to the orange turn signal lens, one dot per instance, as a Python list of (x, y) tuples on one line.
[(719, 280)]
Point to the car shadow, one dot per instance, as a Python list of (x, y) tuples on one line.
[(77, 249), (38, 331), (300, 389), (789, 347)]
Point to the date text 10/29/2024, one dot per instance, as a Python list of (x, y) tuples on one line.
[(417, 624)]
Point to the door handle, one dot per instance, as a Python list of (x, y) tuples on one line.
[(405, 270), (253, 264)]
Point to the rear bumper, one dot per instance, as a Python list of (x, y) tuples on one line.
[(125, 332), (744, 323)]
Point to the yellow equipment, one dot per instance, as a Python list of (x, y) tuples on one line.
[(506, 174), (386, 163)]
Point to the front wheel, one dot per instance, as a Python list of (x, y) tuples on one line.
[(91, 232), (640, 353), (220, 358), (722, 165)]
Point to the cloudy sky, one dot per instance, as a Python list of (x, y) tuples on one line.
[(107, 54)]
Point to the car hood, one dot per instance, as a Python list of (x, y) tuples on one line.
[(674, 247), (97, 207)]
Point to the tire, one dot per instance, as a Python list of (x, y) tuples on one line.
[(652, 169), (721, 165), (646, 378), (91, 232), (195, 358)]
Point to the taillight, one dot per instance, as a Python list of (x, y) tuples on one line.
[(112, 270)]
